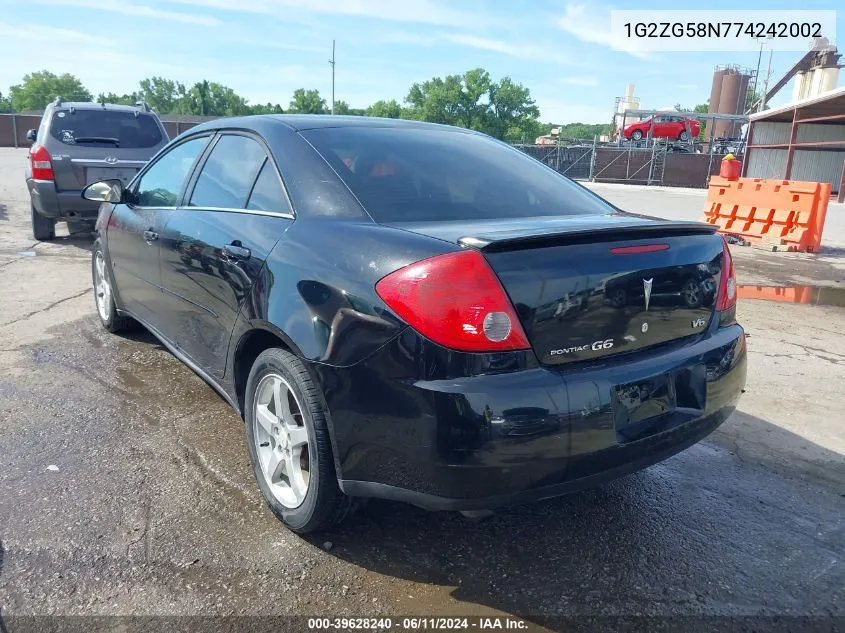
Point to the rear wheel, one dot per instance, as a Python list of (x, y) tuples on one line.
[(288, 440), (104, 293), (43, 228), (683, 136)]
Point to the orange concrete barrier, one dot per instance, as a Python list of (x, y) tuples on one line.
[(789, 212)]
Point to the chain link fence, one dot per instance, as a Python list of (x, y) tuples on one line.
[(643, 162)]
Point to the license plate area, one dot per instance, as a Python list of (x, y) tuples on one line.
[(644, 407), (658, 403), (95, 174)]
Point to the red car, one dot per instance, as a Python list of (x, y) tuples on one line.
[(664, 126)]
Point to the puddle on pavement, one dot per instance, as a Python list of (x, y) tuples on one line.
[(26, 253), (807, 295)]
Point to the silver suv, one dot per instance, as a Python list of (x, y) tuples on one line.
[(80, 143)]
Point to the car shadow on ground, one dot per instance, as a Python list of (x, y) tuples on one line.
[(4, 212), (714, 528)]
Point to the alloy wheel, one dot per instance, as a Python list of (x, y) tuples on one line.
[(102, 286), (281, 441)]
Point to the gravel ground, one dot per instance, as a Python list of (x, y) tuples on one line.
[(125, 487)]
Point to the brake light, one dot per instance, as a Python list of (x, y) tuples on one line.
[(456, 301), (642, 248), (727, 283), (39, 158)]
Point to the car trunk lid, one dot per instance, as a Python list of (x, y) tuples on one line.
[(590, 287)]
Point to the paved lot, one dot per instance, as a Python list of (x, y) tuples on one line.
[(125, 486)]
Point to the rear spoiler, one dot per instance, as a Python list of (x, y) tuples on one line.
[(517, 239)]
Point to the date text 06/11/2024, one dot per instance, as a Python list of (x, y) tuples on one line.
[(418, 623)]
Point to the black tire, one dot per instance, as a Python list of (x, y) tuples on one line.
[(324, 504), (113, 321), (43, 229), (683, 136), (637, 135)]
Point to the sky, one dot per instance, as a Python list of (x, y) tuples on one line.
[(265, 49)]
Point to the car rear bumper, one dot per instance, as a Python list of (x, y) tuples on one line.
[(60, 205), (404, 429)]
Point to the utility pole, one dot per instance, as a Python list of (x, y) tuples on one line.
[(766, 83), (331, 61)]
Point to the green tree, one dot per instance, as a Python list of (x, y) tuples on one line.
[(584, 131), (5, 104), (502, 109), (160, 94), (307, 102), (341, 107), (385, 109), (513, 114), (269, 108), (125, 99), (40, 88)]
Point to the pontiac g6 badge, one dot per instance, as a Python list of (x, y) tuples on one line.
[(595, 346), (647, 291)]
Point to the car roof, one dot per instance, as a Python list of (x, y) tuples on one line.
[(90, 105), (301, 122)]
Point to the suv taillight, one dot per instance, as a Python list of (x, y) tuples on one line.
[(456, 301), (727, 282), (42, 168)]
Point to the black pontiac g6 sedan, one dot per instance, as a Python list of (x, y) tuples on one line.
[(417, 312)]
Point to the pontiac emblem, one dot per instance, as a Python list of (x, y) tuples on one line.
[(647, 291)]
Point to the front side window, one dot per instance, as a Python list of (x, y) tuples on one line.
[(162, 182), (227, 176)]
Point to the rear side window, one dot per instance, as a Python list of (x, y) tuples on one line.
[(161, 183), (267, 195), (106, 128), (414, 175), (227, 176)]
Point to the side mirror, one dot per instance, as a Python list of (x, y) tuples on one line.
[(31, 135), (104, 191)]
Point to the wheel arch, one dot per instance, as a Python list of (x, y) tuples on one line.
[(255, 339)]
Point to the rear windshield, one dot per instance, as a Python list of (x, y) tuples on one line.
[(105, 128), (415, 175)]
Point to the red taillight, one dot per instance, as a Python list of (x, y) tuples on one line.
[(42, 168), (456, 301), (727, 283)]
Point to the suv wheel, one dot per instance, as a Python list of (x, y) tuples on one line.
[(43, 229), (288, 441), (104, 293)]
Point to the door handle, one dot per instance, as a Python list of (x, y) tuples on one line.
[(235, 252), (150, 236)]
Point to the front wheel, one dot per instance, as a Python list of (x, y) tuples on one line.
[(683, 136), (104, 293), (637, 135), (288, 441), (43, 228)]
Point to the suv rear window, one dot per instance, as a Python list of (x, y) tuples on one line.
[(419, 175), (105, 128)]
